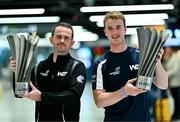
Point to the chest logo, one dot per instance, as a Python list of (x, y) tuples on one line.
[(116, 71), (62, 74), (45, 73), (134, 67), (80, 79)]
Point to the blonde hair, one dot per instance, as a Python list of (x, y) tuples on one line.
[(114, 15)]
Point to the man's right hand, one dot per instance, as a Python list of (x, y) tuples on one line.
[(12, 64), (131, 90)]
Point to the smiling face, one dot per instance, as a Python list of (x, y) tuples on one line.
[(115, 31), (115, 28), (62, 40)]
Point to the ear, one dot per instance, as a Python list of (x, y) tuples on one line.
[(51, 39), (105, 32), (125, 29), (72, 42)]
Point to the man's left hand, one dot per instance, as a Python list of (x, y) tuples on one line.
[(34, 95)]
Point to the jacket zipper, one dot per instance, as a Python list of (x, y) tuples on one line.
[(63, 113), (38, 117)]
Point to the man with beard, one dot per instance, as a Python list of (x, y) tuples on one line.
[(59, 82)]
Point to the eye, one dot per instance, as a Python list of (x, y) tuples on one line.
[(118, 27), (58, 37), (109, 28), (67, 38)]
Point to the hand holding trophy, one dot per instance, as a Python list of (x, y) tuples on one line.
[(23, 51), (150, 42)]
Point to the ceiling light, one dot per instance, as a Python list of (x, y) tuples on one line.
[(44, 19), (127, 8), (133, 16), (22, 11), (139, 22)]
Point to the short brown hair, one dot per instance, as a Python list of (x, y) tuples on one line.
[(114, 15)]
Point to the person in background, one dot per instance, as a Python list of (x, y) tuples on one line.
[(171, 59), (114, 76), (60, 80)]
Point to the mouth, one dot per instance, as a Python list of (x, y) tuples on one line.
[(115, 37), (61, 45)]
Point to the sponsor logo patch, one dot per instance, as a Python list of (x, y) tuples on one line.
[(116, 71), (134, 67), (80, 79), (45, 73), (62, 74)]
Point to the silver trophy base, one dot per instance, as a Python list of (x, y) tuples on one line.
[(144, 82), (22, 88)]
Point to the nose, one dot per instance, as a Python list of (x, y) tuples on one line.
[(114, 32), (62, 40)]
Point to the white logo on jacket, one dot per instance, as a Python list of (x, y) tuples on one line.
[(62, 73), (45, 73), (80, 79), (116, 71), (134, 67)]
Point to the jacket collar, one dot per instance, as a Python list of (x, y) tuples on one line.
[(61, 61)]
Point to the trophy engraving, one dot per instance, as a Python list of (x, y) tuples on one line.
[(23, 51)]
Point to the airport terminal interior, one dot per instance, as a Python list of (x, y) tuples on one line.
[(86, 17)]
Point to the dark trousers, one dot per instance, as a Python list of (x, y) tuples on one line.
[(176, 96)]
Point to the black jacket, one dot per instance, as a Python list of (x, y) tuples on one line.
[(61, 88)]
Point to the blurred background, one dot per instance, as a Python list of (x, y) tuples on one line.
[(86, 16)]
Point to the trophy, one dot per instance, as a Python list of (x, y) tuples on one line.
[(150, 42), (22, 50)]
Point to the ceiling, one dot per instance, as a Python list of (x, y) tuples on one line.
[(69, 10)]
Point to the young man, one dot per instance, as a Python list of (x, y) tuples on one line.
[(59, 88), (114, 80)]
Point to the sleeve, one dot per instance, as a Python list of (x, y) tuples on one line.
[(94, 75), (97, 75), (76, 82)]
